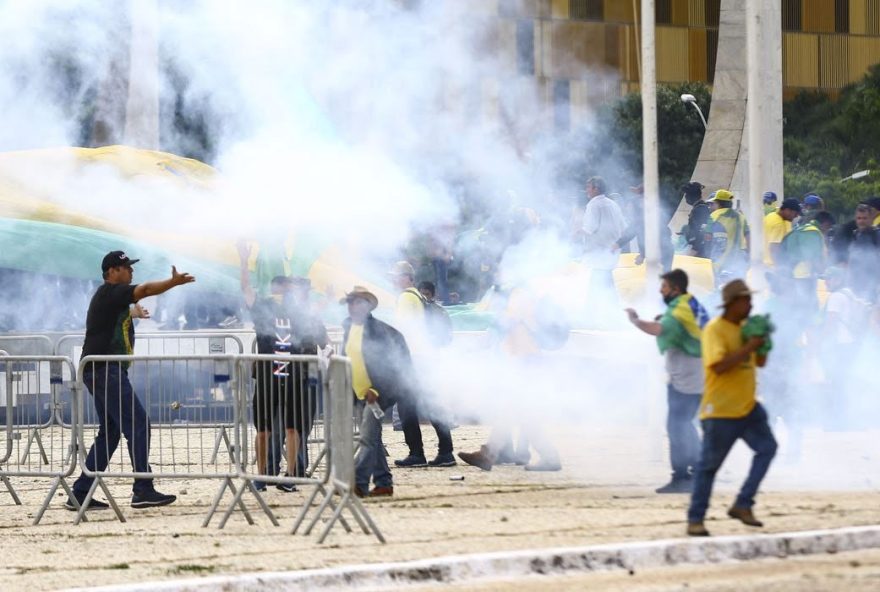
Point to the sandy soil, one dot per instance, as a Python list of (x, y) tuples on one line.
[(851, 572), (604, 494)]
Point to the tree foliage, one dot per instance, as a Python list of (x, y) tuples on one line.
[(618, 153), (826, 140)]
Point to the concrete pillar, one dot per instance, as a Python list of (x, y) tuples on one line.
[(723, 160)]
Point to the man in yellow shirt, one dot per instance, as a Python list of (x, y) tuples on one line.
[(409, 318), (728, 233), (777, 224), (381, 374), (729, 410)]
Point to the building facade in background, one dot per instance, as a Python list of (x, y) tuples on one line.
[(570, 44)]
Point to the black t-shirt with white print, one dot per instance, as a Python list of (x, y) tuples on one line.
[(285, 329)]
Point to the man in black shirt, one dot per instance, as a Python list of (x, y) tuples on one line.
[(110, 331), (697, 219)]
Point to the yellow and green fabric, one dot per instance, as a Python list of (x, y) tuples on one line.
[(805, 251), (682, 324)]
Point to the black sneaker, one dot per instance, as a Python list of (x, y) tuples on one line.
[(93, 504), (286, 487), (412, 462), (443, 460), (151, 499)]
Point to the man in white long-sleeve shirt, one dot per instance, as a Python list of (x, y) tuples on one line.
[(604, 224)]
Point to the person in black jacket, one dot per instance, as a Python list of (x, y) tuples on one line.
[(697, 219), (382, 375)]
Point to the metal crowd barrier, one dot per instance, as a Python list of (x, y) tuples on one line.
[(27, 345), (43, 453), (190, 450)]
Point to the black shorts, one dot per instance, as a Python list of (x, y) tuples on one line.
[(289, 397)]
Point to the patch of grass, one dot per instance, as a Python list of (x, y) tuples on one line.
[(192, 568), (119, 566)]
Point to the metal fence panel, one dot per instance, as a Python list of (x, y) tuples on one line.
[(30, 389)]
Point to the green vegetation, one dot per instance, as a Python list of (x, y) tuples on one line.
[(192, 568), (826, 140), (680, 135)]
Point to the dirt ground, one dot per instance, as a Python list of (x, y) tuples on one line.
[(857, 571), (603, 495)]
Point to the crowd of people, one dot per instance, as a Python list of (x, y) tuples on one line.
[(820, 347), (711, 363)]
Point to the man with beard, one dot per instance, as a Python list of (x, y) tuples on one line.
[(678, 334)]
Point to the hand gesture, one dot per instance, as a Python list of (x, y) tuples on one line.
[(632, 314), (178, 279), (139, 312)]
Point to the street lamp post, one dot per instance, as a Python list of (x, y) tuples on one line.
[(856, 175), (691, 99)]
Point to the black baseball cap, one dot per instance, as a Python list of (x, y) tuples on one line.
[(791, 204), (116, 259)]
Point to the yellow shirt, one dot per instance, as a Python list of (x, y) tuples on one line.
[(732, 394), (876, 221), (409, 307), (409, 319), (775, 229), (360, 378), (520, 313)]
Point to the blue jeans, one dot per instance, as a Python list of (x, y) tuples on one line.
[(719, 436), (684, 441), (370, 461), (119, 412)]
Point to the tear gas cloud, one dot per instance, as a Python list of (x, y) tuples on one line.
[(350, 122)]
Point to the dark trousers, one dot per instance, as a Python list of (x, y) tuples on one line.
[(278, 435), (441, 280), (119, 412), (412, 432), (719, 436), (684, 441)]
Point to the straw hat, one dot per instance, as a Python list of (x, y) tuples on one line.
[(733, 290), (363, 293)]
